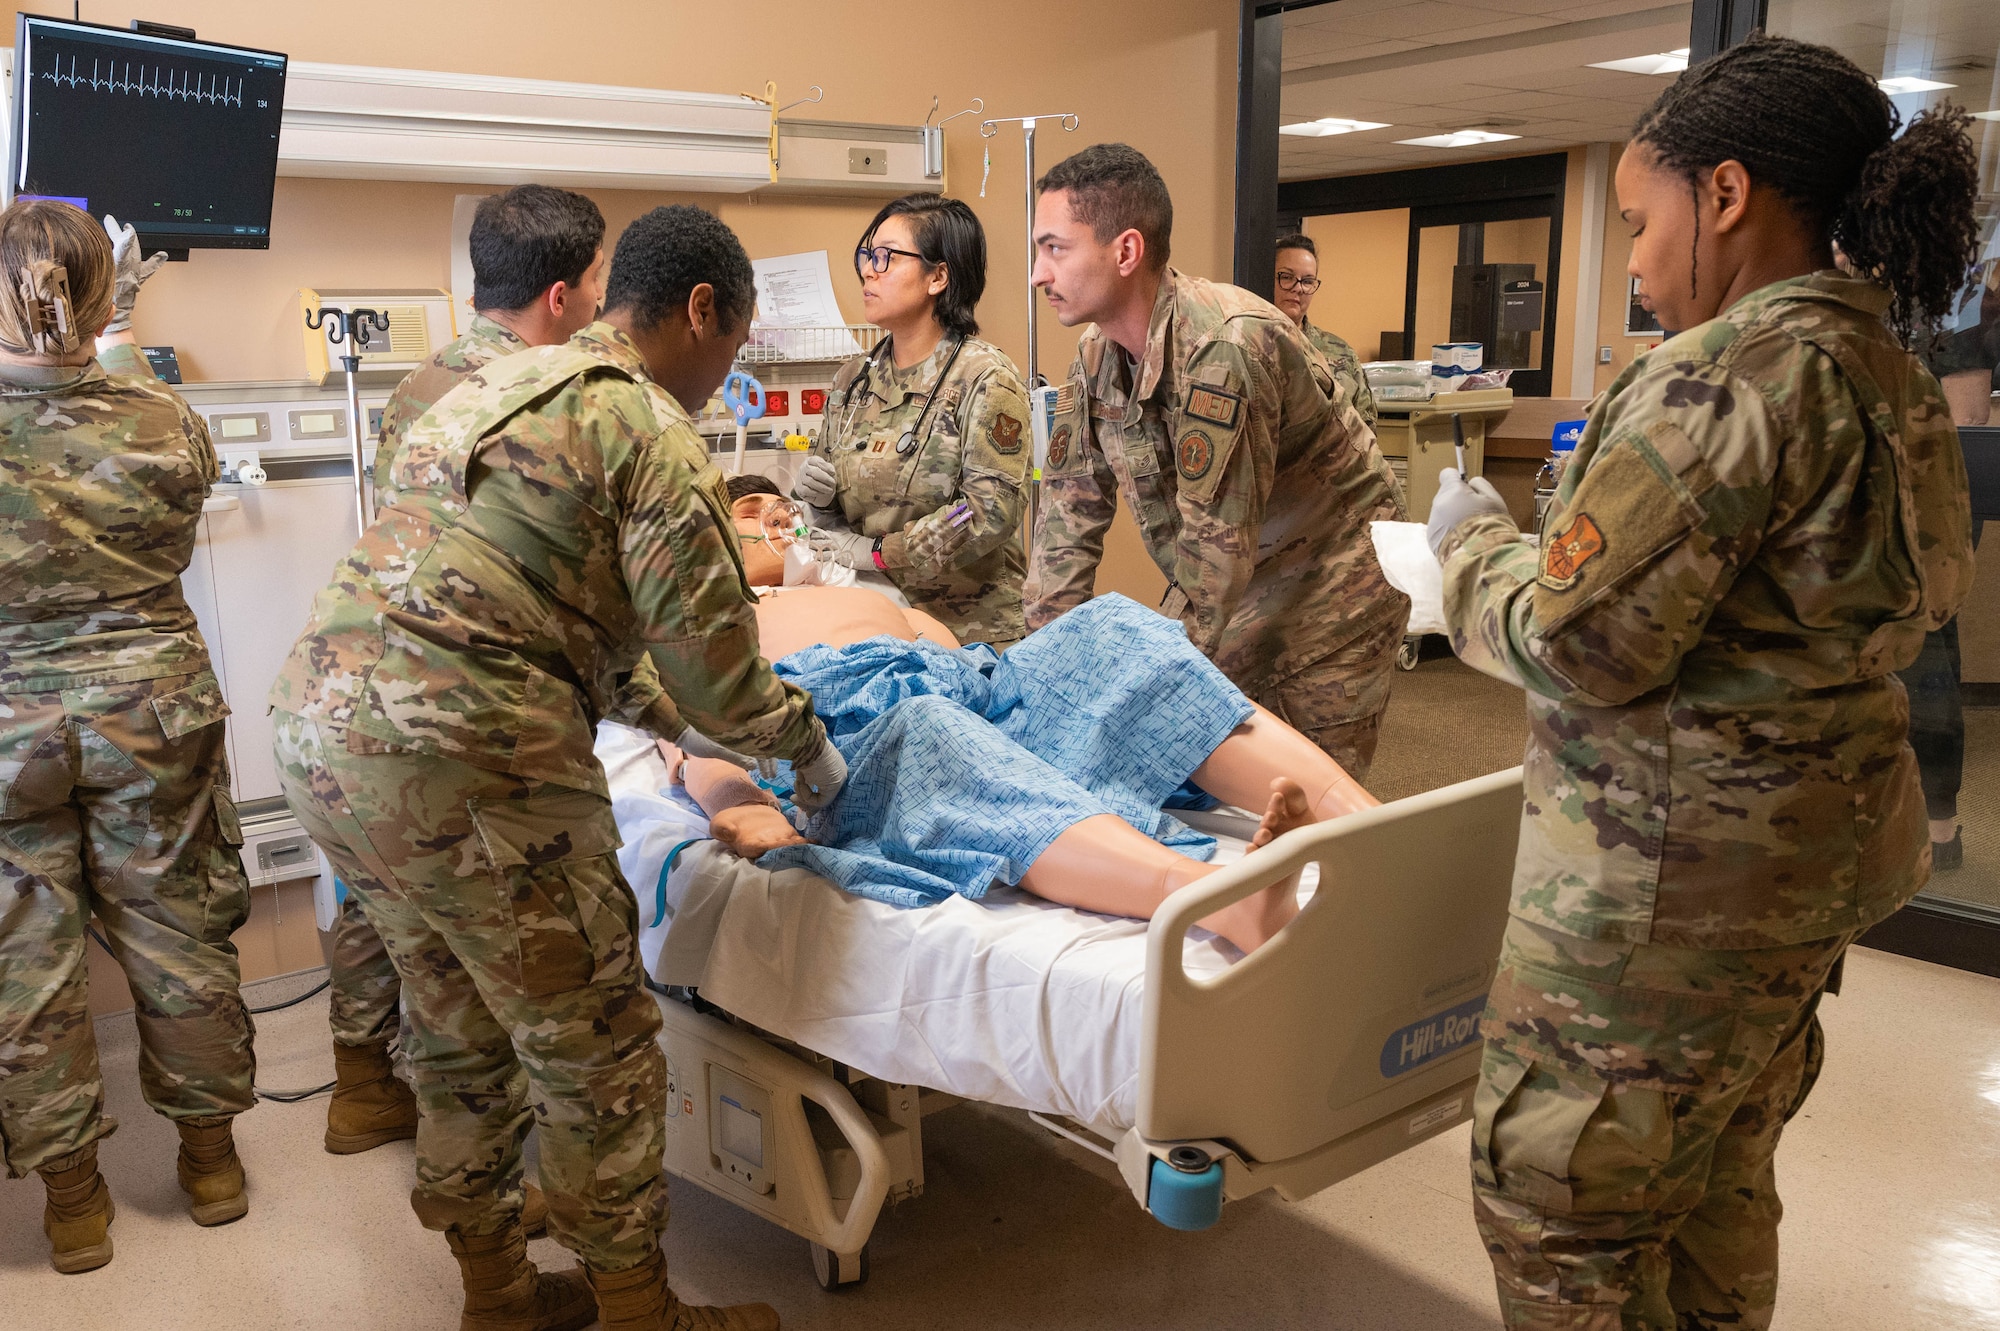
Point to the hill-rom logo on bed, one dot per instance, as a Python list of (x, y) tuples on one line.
[(1428, 1040)]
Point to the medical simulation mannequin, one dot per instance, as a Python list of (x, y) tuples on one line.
[(1102, 863)]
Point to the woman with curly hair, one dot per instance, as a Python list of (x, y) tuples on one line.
[(1765, 516)]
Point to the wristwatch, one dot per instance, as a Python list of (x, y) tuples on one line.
[(876, 551)]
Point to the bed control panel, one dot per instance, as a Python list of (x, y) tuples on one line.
[(741, 1146)]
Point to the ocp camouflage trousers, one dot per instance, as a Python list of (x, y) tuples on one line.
[(363, 989), (1630, 1103), (1337, 701), (113, 802), (516, 941)]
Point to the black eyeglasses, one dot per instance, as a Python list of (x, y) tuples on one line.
[(876, 260), (1286, 282)]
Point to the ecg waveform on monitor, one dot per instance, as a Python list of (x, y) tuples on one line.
[(136, 79)]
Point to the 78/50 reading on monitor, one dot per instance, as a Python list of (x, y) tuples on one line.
[(178, 137)]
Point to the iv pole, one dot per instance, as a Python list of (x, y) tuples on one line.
[(350, 327), (987, 129)]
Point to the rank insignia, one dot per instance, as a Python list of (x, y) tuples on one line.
[(1006, 434), (1214, 405), (1196, 454), (1567, 551)]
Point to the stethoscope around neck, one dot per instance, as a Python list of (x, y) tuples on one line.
[(907, 444)]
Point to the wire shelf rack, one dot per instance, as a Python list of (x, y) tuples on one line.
[(769, 345)]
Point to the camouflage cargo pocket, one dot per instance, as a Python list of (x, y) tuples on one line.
[(226, 903), (1528, 1121), (630, 1101), (549, 855), (187, 710)]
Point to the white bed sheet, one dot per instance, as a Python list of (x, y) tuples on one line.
[(1011, 1000)]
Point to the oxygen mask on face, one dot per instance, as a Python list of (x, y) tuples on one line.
[(784, 523)]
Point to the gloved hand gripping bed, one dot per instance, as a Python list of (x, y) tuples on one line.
[(827, 1024)]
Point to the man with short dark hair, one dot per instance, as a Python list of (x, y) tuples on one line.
[(557, 520), (1298, 280), (537, 277), (1252, 477)]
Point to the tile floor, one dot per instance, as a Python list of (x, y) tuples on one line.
[(1894, 1218)]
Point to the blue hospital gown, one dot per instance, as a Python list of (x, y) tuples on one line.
[(964, 765)]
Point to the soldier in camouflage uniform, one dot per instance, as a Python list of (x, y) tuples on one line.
[(538, 278), (1251, 474), (1297, 282), (557, 518), (925, 453), (113, 776), (1765, 516)]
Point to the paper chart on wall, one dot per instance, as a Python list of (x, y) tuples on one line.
[(795, 291)]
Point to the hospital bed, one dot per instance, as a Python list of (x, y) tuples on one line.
[(809, 1031)]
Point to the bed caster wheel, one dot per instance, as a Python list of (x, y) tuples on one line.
[(837, 1271), (1407, 654)]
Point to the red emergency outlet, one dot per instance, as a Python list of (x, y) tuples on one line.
[(777, 402), (812, 401)]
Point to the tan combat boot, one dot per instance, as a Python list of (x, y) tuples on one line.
[(210, 1173), (504, 1291), (534, 1211), (78, 1216), (370, 1108), (639, 1300)]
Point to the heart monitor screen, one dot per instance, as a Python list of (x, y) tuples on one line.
[(179, 138)]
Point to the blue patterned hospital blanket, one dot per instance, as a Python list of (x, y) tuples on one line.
[(964, 765)]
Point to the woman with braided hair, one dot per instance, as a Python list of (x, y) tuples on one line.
[(1765, 516), (113, 779)]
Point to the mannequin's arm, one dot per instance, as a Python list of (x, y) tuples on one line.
[(742, 815)]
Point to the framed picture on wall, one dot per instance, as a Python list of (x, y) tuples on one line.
[(1639, 321)]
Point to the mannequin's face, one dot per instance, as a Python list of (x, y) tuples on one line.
[(763, 559)]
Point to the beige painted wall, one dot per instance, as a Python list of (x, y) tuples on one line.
[(1362, 260), (1159, 74)]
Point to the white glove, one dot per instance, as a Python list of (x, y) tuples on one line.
[(1456, 501), (936, 538), (816, 483), (846, 548), (697, 745), (818, 779), (131, 271)]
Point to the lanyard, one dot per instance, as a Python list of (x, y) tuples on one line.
[(912, 436)]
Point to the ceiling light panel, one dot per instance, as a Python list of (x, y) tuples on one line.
[(1461, 138), (1325, 125), (1897, 87), (1665, 62)]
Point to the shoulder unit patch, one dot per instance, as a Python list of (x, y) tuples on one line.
[(1006, 434), (1059, 447), (1567, 551), (1195, 455)]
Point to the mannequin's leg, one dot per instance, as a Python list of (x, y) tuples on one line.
[(1104, 864), (1241, 769)]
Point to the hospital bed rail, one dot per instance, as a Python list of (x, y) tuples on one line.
[(1352, 1035)]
